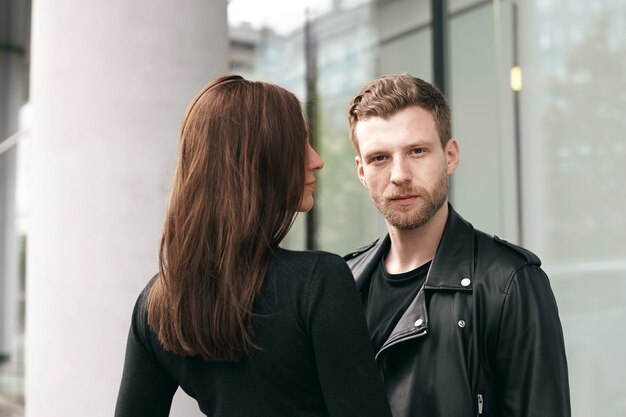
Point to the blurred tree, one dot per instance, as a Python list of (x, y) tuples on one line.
[(585, 147)]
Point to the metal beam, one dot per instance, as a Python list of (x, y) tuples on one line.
[(440, 43)]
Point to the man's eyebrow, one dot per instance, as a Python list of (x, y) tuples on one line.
[(418, 144), (378, 151), (373, 152)]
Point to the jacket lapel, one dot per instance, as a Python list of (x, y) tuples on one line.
[(453, 265), (452, 269)]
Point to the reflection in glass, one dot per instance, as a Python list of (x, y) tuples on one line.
[(13, 223), (574, 195), (344, 36)]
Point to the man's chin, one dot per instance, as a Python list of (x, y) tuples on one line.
[(405, 225), (404, 220)]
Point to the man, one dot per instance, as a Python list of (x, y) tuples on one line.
[(463, 323)]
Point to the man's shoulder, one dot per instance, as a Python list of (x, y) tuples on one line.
[(518, 251), (499, 262), (499, 249), (362, 260), (460, 237), (361, 251)]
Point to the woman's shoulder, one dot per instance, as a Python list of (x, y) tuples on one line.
[(312, 269), (142, 300), (315, 279), (308, 260), (311, 254), (140, 309)]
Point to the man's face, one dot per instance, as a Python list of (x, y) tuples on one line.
[(404, 166)]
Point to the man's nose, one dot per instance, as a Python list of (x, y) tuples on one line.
[(400, 172)]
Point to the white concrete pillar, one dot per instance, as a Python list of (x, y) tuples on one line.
[(110, 83)]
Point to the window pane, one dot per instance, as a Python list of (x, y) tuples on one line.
[(475, 101), (574, 200), (12, 274), (345, 49)]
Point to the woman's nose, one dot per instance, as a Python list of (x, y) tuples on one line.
[(315, 161)]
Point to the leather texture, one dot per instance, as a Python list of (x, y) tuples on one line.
[(482, 337)]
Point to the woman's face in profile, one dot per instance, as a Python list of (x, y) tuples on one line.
[(313, 163)]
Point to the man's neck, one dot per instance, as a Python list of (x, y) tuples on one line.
[(412, 248)]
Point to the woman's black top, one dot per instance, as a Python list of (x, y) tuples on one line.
[(315, 357)]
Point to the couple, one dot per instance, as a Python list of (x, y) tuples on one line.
[(457, 323)]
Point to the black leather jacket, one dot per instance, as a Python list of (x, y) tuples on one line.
[(481, 338)]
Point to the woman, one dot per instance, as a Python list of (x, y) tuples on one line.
[(243, 326)]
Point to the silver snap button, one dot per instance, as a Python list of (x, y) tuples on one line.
[(418, 322), (465, 282), (461, 323)]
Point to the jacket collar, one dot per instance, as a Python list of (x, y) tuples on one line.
[(453, 264), (452, 269)]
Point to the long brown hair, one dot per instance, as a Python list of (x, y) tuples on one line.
[(238, 184)]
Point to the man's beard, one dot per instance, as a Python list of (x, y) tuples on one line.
[(412, 217)]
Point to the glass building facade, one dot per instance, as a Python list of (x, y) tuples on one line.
[(14, 86), (542, 165)]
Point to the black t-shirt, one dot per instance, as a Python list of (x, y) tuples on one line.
[(388, 298)]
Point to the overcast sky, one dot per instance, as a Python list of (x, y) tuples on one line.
[(281, 15)]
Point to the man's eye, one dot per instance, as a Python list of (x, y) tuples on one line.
[(378, 158), (417, 151)]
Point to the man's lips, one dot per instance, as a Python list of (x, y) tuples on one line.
[(403, 199)]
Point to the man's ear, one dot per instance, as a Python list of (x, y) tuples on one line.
[(452, 155), (359, 170)]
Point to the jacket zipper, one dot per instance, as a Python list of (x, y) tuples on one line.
[(479, 397)]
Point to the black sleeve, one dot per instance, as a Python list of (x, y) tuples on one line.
[(350, 380), (146, 389), (531, 363)]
